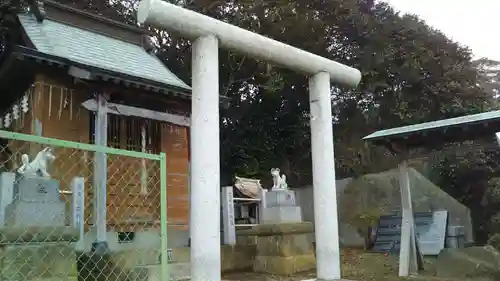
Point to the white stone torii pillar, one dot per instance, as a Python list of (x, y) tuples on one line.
[(207, 35)]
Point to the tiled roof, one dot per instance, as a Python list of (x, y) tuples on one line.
[(97, 51), (249, 187)]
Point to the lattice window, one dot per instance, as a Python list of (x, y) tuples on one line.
[(128, 177), (131, 133)]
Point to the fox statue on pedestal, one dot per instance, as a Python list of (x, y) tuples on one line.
[(37, 167)]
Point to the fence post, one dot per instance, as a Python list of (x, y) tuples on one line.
[(78, 206), (408, 259), (101, 174), (229, 230), (262, 204), (165, 274)]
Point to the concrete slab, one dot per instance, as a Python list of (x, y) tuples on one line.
[(327, 280), (178, 271)]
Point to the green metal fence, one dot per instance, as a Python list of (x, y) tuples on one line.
[(49, 201)]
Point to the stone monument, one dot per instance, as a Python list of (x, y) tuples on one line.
[(280, 202), (36, 199), (36, 244), (284, 241)]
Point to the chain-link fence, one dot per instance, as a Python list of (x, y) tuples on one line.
[(74, 211)]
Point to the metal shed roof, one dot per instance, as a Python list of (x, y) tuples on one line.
[(461, 121)]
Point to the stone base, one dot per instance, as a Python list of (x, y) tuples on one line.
[(99, 267), (26, 255), (284, 265), (144, 265), (36, 203), (177, 272), (237, 257), (36, 262), (283, 249), (280, 197), (21, 213), (284, 214)]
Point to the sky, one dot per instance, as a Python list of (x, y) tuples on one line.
[(472, 23)]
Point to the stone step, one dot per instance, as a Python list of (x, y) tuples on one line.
[(180, 254), (178, 271)]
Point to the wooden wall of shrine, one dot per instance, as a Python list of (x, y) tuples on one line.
[(55, 110)]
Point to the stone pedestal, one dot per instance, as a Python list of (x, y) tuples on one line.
[(283, 249), (280, 197), (36, 203), (38, 253), (281, 207), (7, 180)]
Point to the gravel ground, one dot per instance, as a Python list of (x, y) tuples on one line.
[(356, 265), (263, 277)]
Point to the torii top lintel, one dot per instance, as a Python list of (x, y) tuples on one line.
[(162, 14)]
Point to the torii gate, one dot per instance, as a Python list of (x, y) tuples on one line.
[(207, 34)]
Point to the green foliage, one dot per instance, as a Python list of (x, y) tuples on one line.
[(411, 73), (495, 221), (366, 220), (493, 191), (494, 240)]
